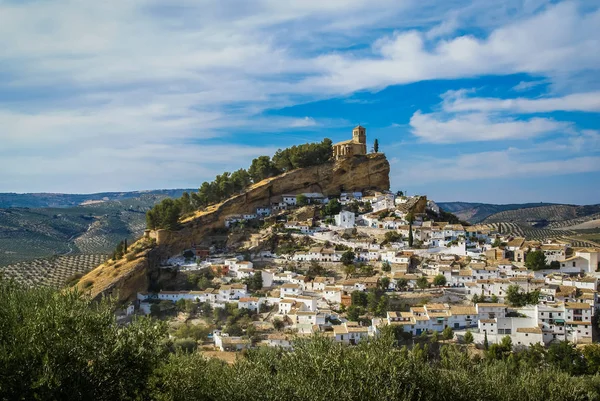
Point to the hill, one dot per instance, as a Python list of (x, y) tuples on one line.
[(93, 229), (126, 277), (44, 200), (477, 212), (549, 216)]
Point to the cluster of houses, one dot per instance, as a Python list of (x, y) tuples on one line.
[(566, 305), (469, 258)]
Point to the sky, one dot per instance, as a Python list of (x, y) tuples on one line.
[(482, 101)]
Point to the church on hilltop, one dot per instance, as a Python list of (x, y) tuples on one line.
[(355, 146)]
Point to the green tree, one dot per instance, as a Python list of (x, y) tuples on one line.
[(393, 236), (468, 337), (349, 270), (567, 358), (535, 260), (353, 313), (422, 282), (384, 283), (332, 207), (376, 146), (315, 269), (439, 280), (410, 235), (402, 284), (386, 266), (278, 324), (348, 257), (301, 200), (262, 168), (60, 345), (359, 298), (255, 282), (448, 333)]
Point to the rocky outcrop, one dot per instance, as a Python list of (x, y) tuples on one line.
[(356, 173)]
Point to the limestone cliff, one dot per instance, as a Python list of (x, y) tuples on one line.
[(356, 173)]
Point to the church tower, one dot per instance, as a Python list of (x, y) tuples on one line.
[(359, 135)]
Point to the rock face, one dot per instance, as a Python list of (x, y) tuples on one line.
[(356, 173)]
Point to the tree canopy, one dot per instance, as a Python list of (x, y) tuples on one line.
[(167, 213), (535, 260)]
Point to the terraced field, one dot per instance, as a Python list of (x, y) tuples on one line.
[(51, 272)]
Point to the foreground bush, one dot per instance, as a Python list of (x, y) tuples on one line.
[(60, 346)]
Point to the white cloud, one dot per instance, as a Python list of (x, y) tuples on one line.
[(96, 169), (146, 77), (560, 40), (444, 128), (456, 101), (491, 165), (527, 85)]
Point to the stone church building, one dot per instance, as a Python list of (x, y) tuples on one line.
[(356, 146)]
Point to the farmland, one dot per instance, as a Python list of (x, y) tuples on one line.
[(52, 272), (92, 229)]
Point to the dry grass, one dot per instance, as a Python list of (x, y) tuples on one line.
[(225, 356), (110, 272)]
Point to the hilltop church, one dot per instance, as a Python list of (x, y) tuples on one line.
[(356, 146)]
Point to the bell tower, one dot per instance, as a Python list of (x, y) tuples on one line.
[(359, 135)]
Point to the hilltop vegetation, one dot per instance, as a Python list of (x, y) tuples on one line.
[(167, 214), (62, 346)]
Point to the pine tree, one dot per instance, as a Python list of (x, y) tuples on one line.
[(125, 246), (486, 344), (376, 146), (410, 235)]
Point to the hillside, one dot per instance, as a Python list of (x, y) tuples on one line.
[(358, 173), (27, 234), (47, 200), (552, 216), (477, 212)]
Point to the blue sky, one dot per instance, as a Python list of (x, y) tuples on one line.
[(470, 100)]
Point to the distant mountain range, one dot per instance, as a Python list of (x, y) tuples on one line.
[(539, 215), (40, 200)]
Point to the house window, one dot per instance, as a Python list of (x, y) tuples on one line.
[(573, 264)]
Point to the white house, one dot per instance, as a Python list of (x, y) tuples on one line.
[(251, 303), (289, 199), (263, 211), (289, 290), (345, 219), (333, 294)]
